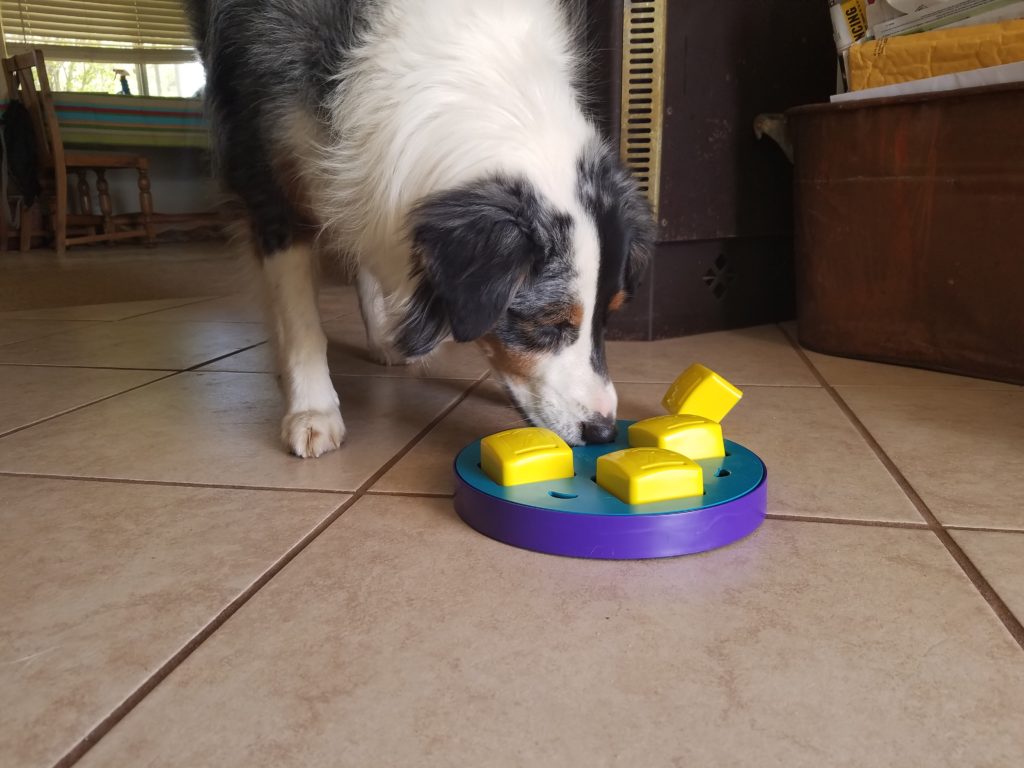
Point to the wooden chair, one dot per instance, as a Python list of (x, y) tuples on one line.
[(21, 73)]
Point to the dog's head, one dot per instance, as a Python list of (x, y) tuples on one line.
[(499, 264)]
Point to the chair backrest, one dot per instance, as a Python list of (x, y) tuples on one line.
[(21, 72)]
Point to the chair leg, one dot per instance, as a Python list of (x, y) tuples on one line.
[(85, 196), (29, 220), (4, 233), (106, 207), (146, 205), (60, 223)]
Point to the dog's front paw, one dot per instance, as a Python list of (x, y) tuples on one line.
[(311, 434), (384, 355)]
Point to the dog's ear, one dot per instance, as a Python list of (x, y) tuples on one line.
[(638, 219), (623, 215), (473, 248)]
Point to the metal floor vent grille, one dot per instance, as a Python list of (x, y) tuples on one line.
[(643, 75)]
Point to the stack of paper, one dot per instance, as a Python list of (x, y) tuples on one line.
[(906, 17)]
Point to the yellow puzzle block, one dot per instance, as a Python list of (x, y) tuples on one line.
[(529, 455), (647, 475), (693, 436), (701, 392)]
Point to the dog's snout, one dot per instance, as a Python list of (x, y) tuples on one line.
[(599, 430)]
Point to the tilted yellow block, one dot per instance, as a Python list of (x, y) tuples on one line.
[(693, 436), (647, 475), (700, 391), (529, 455)]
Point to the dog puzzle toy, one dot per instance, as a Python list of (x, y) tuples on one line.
[(667, 486)]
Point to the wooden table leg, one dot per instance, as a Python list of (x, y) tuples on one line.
[(106, 207), (146, 204), (84, 195), (60, 214)]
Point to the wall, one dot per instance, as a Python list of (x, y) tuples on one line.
[(725, 251)]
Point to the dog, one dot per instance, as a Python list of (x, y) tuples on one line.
[(443, 147)]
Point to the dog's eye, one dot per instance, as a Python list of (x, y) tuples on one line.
[(546, 327), (559, 334)]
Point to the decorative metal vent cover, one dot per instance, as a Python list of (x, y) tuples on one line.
[(643, 75), (720, 276)]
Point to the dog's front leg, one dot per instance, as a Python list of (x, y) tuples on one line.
[(373, 309), (312, 425)]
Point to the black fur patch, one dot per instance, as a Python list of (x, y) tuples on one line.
[(265, 60), (487, 256), (542, 318), (625, 229)]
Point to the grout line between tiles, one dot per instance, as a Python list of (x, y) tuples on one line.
[(211, 361), (88, 367), (983, 529), (843, 521), (139, 694), (412, 494), (172, 483), (170, 374), (79, 407), (398, 377), (105, 725), (190, 369), (995, 602), (188, 303), (45, 335)]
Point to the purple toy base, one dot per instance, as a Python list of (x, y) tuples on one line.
[(612, 537)]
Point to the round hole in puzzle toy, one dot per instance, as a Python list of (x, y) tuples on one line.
[(559, 495), (723, 473)]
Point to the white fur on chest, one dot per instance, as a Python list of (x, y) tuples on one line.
[(442, 93)]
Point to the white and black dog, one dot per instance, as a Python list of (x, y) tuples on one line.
[(443, 147)]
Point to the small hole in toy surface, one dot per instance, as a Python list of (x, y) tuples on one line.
[(723, 473), (560, 495), (728, 454), (594, 479)]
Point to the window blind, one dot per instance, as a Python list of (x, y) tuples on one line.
[(153, 31)]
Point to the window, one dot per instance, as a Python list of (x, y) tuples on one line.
[(89, 76), (175, 79), (141, 47)]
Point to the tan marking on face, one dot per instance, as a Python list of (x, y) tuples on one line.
[(617, 301), (509, 361), (570, 313), (576, 315)]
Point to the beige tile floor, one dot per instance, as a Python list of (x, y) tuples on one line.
[(176, 591)]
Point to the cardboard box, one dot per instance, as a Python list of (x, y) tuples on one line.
[(876, 63), (908, 235)]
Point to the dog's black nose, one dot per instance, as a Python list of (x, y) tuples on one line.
[(599, 430)]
